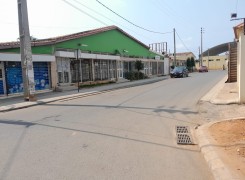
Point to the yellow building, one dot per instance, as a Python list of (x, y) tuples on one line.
[(214, 62), (181, 58)]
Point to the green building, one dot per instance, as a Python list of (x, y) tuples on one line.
[(103, 54)]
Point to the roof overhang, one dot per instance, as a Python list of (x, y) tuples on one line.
[(17, 57), (238, 30)]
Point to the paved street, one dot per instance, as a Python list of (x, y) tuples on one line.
[(122, 134)]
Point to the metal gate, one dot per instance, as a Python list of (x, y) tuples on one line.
[(1, 80), (14, 81)]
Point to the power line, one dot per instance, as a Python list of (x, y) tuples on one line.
[(84, 12), (169, 11), (182, 42), (110, 19), (132, 22)]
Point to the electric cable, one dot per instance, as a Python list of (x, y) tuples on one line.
[(111, 19), (132, 22), (182, 42), (84, 12)]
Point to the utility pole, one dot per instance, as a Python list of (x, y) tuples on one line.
[(201, 44), (26, 54), (199, 55), (174, 49), (208, 57)]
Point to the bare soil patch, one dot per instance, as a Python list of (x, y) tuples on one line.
[(230, 137)]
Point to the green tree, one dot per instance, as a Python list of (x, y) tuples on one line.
[(139, 66), (192, 62), (188, 63)]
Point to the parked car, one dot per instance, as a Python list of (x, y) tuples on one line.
[(203, 69), (179, 71)]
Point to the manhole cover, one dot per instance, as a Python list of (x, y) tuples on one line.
[(182, 129), (184, 139)]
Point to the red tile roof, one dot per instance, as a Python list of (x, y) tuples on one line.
[(50, 41)]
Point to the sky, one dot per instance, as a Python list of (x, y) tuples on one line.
[(51, 18)]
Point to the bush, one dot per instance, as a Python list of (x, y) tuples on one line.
[(134, 76)]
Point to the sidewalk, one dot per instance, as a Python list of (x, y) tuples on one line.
[(222, 94), (14, 102)]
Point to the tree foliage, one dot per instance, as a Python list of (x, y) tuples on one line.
[(139, 65), (192, 61)]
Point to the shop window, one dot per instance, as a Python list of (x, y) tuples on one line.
[(66, 77), (60, 77)]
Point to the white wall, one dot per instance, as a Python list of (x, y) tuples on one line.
[(241, 67), (166, 66)]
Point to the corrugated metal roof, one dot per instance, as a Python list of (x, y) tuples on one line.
[(51, 41)]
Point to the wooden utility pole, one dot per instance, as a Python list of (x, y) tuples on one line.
[(201, 45), (26, 54), (174, 49)]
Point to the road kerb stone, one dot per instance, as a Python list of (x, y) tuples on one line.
[(210, 96), (219, 169)]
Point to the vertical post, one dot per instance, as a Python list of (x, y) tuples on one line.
[(174, 49), (199, 56), (26, 54), (201, 45), (208, 58), (243, 26), (78, 67), (93, 73)]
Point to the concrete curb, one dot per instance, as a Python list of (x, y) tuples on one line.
[(206, 143), (211, 96), (77, 95)]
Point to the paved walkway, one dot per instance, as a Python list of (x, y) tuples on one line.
[(17, 101), (222, 94)]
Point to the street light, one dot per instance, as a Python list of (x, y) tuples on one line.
[(78, 67)]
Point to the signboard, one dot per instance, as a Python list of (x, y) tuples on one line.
[(157, 57)]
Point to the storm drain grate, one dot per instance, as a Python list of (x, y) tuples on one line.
[(184, 139), (183, 135), (182, 129)]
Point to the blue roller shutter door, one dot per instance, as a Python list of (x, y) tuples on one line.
[(1, 82), (41, 75), (14, 76), (1, 87)]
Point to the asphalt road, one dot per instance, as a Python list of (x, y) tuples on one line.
[(122, 134)]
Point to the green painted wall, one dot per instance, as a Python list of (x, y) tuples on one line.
[(111, 42), (108, 42)]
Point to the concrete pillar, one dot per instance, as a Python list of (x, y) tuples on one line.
[(116, 70), (92, 66), (54, 75), (157, 68), (241, 62)]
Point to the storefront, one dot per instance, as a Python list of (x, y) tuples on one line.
[(102, 54), (11, 81)]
